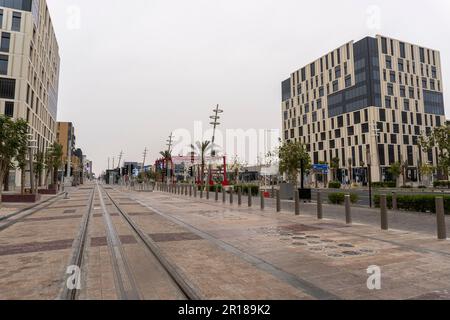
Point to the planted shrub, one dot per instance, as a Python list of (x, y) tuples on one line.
[(334, 185), (339, 197), (441, 184), (254, 189), (415, 203), (387, 184)]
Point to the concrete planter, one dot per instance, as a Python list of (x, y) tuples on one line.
[(48, 192), (19, 198)]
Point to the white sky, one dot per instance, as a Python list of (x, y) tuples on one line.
[(134, 70)]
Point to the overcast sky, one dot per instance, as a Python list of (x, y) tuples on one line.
[(134, 70)]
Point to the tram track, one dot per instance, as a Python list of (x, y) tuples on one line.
[(126, 283)]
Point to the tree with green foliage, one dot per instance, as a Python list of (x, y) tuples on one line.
[(54, 162), (395, 170), (334, 165), (13, 134), (440, 139), (202, 150), (167, 156), (39, 167), (294, 159)]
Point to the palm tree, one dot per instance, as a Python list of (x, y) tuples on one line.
[(202, 149)]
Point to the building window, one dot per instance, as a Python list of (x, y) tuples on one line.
[(357, 117), (406, 105), (338, 72), (4, 44), (9, 109), (16, 21), (3, 64), (422, 55), (401, 67), (402, 50), (1, 18), (7, 88), (388, 102), (388, 62), (384, 45), (390, 89), (335, 86), (402, 92), (348, 81), (392, 76), (382, 115)]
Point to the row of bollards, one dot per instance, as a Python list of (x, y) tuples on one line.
[(192, 191)]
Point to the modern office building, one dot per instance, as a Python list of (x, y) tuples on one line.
[(67, 139), (367, 102), (29, 68)]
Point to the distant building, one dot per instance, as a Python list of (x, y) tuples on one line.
[(366, 102), (67, 139), (29, 69)]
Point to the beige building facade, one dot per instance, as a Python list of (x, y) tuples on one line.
[(29, 68), (367, 102)]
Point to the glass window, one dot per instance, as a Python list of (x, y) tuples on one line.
[(9, 109), (16, 21), (3, 64), (7, 88), (4, 44), (348, 81)]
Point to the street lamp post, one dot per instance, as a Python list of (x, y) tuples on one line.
[(215, 122), (369, 175)]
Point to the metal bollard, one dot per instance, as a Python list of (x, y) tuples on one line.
[(190, 190), (239, 196), (216, 198), (278, 201), (195, 190), (262, 201), (186, 190), (394, 202), (348, 209), (440, 215), (231, 195), (207, 193), (384, 213), (201, 192), (249, 194), (319, 206), (297, 203), (224, 194)]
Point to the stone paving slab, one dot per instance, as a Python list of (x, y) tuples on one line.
[(327, 254)]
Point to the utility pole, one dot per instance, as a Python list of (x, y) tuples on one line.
[(169, 145), (215, 122), (143, 162), (120, 159), (30, 156)]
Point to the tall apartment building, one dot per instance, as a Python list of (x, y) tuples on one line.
[(366, 102), (29, 68)]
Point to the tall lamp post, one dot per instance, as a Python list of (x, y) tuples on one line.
[(369, 175), (31, 147), (215, 122)]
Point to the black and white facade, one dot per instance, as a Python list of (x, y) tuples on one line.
[(366, 102)]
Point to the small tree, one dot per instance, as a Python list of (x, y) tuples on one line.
[(440, 139), (202, 149), (39, 166), (426, 170), (395, 170), (13, 134), (55, 161), (334, 165), (167, 156), (293, 158)]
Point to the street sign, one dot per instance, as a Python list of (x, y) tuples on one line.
[(321, 168)]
